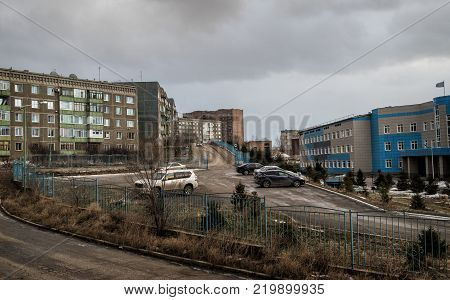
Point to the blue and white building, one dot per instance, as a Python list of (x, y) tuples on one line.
[(411, 138)]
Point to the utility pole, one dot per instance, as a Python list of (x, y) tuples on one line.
[(99, 71)]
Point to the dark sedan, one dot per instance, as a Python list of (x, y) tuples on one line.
[(246, 169), (279, 178)]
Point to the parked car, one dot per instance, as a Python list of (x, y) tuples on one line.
[(173, 166), (249, 168), (181, 180), (279, 178), (265, 169)]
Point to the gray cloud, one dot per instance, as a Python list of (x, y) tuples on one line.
[(250, 49)]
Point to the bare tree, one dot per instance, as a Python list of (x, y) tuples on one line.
[(150, 168)]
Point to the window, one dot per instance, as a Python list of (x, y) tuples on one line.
[(118, 123), (51, 119), (50, 105), (67, 146), (4, 131), (18, 88), (79, 93), (387, 129), (51, 132), (130, 124), (4, 85), (67, 92), (34, 104), (130, 100), (66, 105), (106, 97), (107, 135), (96, 108), (387, 146), (79, 107), (425, 126), (130, 112), (35, 132), (413, 145), (4, 145), (118, 111), (107, 109), (34, 118), (400, 146), (399, 128), (34, 89), (106, 122), (388, 163), (119, 135), (18, 102), (413, 127), (400, 163), (118, 99), (96, 95), (131, 135), (4, 115), (18, 131), (50, 91), (18, 147), (18, 117)]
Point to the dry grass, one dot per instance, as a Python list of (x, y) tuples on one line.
[(303, 261)]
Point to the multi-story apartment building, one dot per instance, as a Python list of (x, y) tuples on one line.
[(67, 115), (157, 116), (232, 123), (199, 131), (411, 138)]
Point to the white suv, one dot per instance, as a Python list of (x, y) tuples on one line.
[(182, 180)]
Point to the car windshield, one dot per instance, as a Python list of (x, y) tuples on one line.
[(158, 176)]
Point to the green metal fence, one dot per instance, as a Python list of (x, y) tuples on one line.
[(80, 160), (369, 240)]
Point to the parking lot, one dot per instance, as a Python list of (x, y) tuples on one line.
[(221, 178)]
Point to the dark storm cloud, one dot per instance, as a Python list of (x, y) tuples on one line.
[(212, 40)]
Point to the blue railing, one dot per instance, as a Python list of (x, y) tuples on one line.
[(239, 156)]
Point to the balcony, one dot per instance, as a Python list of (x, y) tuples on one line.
[(4, 153), (5, 93)]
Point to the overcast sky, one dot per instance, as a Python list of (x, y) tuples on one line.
[(254, 54)]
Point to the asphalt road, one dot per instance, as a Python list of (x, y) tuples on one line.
[(30, 253)]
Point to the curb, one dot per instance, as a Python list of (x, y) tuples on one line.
[(150, 253), (348, 197)]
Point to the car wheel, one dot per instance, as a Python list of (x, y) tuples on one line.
[(188, 189), (245, 172), (297, 183), (266, 184)]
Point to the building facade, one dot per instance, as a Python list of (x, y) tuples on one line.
[(199, 131), (157, 115), (48, 113), (264, 146), (411, 138), (232, 123)]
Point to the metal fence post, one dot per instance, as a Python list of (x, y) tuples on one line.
[(53, 185), (265, 219), (352, 250), (126, 199), (96, 191), (205, 197)]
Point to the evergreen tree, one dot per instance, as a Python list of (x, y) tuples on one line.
[(402, 183), (431, 188), (360, 179), (417, 184), (417, 202), (349, 180), (380, 181), (389, 181)]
